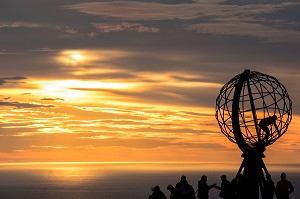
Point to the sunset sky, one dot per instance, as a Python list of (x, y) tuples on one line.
[(137, 80)]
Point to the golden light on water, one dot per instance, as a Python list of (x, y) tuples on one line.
[(85, 170)]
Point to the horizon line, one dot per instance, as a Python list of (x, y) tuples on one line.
[(125, 162)]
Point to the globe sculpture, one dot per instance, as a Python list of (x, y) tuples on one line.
[(253, 110)]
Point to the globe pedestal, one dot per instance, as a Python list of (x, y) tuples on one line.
[(253, 172)]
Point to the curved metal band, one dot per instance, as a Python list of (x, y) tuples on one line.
[(235, 112)]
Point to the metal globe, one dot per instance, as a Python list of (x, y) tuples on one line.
[(261, 96)]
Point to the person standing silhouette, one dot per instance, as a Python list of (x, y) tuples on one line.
[(226, 188), (236, 184), (157, 193), (269, 188), (186, 190), (174, 193), (283, 188), (203, 188)]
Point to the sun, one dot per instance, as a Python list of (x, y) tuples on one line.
[(73, 57), (76, 57)]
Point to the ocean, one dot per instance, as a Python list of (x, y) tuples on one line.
[(116, 180)]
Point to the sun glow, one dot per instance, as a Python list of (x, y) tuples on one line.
[(77, 57), (74, 89), (78, 84), (57, 89), (73, 57)]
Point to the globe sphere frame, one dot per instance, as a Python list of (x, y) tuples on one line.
[(259, 96)]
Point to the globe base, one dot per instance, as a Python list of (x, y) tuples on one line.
[(253, 178)]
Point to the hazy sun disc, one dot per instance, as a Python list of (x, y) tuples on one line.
[(77, 57), (72, 57)]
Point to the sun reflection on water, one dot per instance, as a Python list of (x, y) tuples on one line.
[(70, 175)]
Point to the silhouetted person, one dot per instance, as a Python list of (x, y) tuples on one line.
[(236, 184), (264, 125), (226, 188), (269, 188), (157, 193), (186, 190), (203, 187), (283, 188), (174, 193)]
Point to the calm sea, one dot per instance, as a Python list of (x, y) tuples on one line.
[(115, 180)]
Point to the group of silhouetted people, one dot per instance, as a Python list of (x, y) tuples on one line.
[(182, 190), (228, 190)]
